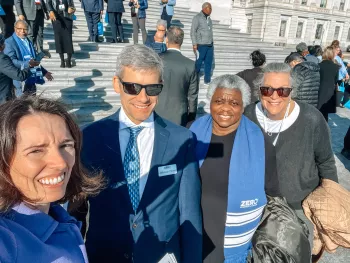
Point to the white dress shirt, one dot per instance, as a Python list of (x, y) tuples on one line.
[(145, 141)]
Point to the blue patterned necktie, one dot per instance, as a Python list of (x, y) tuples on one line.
[(132, 167)]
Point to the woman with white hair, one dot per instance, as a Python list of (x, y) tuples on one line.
[(235, 174), (299, 133)]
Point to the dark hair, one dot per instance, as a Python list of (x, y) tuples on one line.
[(258, 58), (311, 49), (294, 56), (80, 184), (318, 51), (335, 43), (175, 35)]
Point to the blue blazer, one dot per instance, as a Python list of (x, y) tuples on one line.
[(168, 219), (169, 7), (28, 235), (95, 6), (115, 6), (13, 51), (142, 10)]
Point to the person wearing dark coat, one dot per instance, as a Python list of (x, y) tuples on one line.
[(9, 19), (92, 10), (306, 78), (8, 72), (61, 15), (249, 75), (179, 97), (115, 9), (329, 78)]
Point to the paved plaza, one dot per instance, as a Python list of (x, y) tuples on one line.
[(339, 124)]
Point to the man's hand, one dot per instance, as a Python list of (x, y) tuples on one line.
[(195, 48), (71, 10), (33, 63), (347, 77), (52, 16), (21, 17), (49, 77)]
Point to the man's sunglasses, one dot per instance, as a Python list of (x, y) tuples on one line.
[(281, 92), (135, 89)]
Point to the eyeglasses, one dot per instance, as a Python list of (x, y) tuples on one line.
[(135, 89), (22, 29), (281, 92)]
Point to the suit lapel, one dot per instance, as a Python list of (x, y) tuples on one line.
[(161, 137)]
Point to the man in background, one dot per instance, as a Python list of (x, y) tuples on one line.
[(167, 10)]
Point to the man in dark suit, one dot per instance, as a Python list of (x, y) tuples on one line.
[(8, 19), (115, 9), (179, 98), (33, 12), (8, 72), (151, 204), (93, 10)]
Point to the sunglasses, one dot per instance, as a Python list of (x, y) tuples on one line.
[(135, 89), (281, 92)]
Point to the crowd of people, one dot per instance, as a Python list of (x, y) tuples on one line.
[(154, 182)]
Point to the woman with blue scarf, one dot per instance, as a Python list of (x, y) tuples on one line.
[(237, 170)]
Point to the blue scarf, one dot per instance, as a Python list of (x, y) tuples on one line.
[(36, 76), (246, 189)]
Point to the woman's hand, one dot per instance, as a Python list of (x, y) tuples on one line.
[(52, 16), (71, 10)]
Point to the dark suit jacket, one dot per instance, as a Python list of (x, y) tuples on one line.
[(115, 6), (179, 97), (95, 6), (249, 75), (168, 218), (328, 79), (28, 9), (8, 72)]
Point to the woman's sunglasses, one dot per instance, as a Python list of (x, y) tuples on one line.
[(281, 92), (135, 89)]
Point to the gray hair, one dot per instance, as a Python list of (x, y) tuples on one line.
[(21, 22), (205, 5), (230, 82), (139, 58), (162, 22), (275, 67), (175, 35)]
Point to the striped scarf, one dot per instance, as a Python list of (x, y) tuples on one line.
[(246, 189)]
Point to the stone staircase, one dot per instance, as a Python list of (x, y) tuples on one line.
[(87, 87)]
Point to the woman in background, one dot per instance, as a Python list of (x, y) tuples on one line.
[(138, 16)]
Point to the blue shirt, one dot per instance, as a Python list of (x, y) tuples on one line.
[(342, 70), (29, 235)]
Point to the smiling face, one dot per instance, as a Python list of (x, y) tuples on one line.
[(139, 107), (226, 107), (276, 106), (21, 30), (43, 158)]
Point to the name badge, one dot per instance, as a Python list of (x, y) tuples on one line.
[(61, 7), (167, 170)]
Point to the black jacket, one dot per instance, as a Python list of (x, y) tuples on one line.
[(329, 78), (306, 82), (178, 100), (249, 75), (281, 236), (9, 72)]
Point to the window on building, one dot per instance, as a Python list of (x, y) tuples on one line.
[(304, 2), (323, 3), (283, 28), (336, 32), (342, 5), (348, 38), (249, 25), (319, 30), (299, 29)]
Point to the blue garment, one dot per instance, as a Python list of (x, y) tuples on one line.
[(169, 7), (28, 235), (115, 6), (142, 10), (132, 167), (342, 71), (206, 54), (157, 47), (94, 6), (246, 189), (168, 218)]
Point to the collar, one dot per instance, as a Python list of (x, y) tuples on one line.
[(40, 224), (176, 49), (125, 122), (205, 15)]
